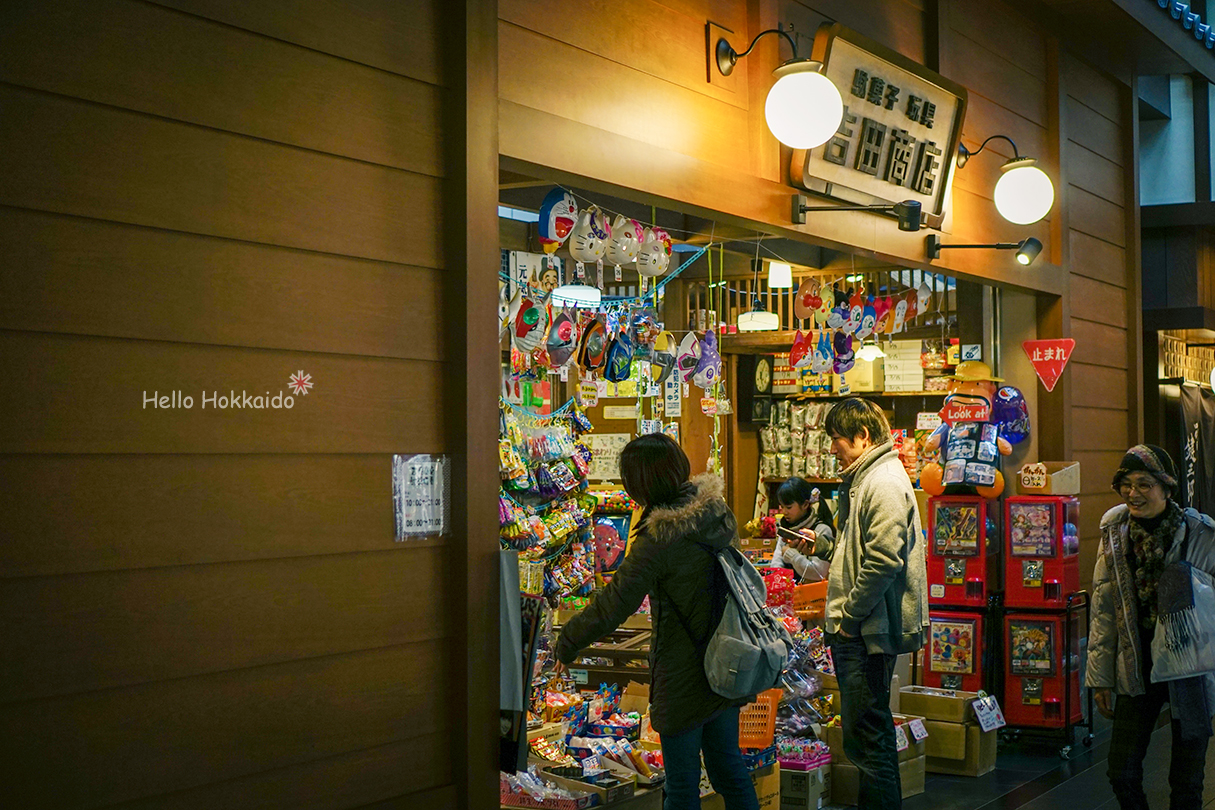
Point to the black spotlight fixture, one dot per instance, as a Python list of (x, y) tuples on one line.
[(1027, 249), (907, 211)]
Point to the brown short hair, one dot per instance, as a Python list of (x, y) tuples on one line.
[(853, 416), (653, 469)]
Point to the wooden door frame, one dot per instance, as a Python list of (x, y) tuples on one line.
[(470, 241)]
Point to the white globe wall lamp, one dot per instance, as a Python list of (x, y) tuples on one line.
[(1024, 193), (804, 108)]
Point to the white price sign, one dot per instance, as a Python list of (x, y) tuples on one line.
[(987, 710), (420, 484), (917, 729)]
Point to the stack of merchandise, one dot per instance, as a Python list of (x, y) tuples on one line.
[(911, 736), (795, 444), (938, 360), (957, 743), (903, 368), (543, 509), (530, 788)]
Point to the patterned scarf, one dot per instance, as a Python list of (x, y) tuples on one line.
[(1149, 549)]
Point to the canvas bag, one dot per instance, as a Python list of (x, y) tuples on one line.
[(1184, 644), (748, 650)]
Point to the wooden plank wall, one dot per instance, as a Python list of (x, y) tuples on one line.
[(205, 608)]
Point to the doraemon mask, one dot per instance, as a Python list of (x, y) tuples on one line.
[(589, 240), (562, 340), (688, 357), (655, 254), (845, 359), (592, 350), (708, 369), (619, 358), (803, 348), (558, 215), (625, 242), (662, 357)]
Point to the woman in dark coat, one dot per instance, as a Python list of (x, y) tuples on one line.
[(670, 563)]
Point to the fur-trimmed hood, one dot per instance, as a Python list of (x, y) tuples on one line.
[(701, 515)]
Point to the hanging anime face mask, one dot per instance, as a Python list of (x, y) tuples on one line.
[(856, 311), (823, 359), (913, 307), (826, 303), (562, 340), (838, 319), (662, 357), (708, 369), (923, 297), (503, 310), (900, 314), (881, 311), (625, 241), (803, 348), (868, 320), (688, 357), (655, 255), (588, 242), (619, 358), (592, 350), (807, 299), (558, 215), (643, 328), (531, 325), (845, 358)]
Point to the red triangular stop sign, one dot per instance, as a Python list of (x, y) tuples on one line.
[(1049, 358)]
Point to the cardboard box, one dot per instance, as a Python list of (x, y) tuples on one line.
[(865, 375), (946, 740), (767, 790), (1049, 478), (980, 755), (615, 790), (636, 698), (846, 780), (805, 790), (946, 705), (548, 731), (834, 737)]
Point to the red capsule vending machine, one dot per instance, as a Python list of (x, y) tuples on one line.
[(964, 552), (1041, 684), (1042, 552), (955, 656)]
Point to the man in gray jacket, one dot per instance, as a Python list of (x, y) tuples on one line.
[(877, 591)]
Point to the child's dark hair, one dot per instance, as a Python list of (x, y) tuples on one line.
[(653, 469), (795, 490)]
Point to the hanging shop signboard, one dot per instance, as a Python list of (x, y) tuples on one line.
[(901, 127), (1049, 358)]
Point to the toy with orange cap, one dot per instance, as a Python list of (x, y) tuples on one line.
[(970, 441)]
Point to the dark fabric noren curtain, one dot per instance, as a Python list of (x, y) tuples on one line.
[(1197, 461)]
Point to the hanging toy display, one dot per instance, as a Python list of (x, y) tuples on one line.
[(856, 311), (803, 348), (588, 242), (806, 300), (824, 360), (624, 245), (881, 311), (663, 357), (913, 308), (868, 320), (619, 358), (845, 357), (504, 307), (826, 304), (900, 314), (838, 319), (708, 368), (688, 357), (562, 340), (643, 329), (531, 324), (558, 215), (592, 352), (969, 439), (655, 255), (923, 297)]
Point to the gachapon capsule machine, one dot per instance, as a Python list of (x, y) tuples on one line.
[(963, 551), (956, 655), (1043, 550), (1041, 684)]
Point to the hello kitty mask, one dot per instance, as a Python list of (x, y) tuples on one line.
[(655, 254), (625, 241), (588, 242)]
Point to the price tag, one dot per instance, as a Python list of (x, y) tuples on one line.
[(564, 374), (588, 394), (651, 426), (708, 406), (918, 732), (1033, 476), (936, 591), (900, 738), (579, 676), (987, 710)]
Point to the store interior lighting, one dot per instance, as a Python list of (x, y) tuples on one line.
[(870, 352), (1024, 193), (577, 296), (780, 274), (1027, 249), (804, 108), (909, 212), (758, 319)]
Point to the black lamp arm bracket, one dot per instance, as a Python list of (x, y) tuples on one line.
[(965, 154), (727, 57)]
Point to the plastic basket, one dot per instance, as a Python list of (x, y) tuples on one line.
[(757, 721)]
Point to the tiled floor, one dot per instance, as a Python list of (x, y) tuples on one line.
[(1030, 775)]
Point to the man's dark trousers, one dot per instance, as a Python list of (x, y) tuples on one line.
[(866, 721)]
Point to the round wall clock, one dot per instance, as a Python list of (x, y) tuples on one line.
[(763, 376)]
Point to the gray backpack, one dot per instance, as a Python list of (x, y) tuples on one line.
[(748, 651)]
